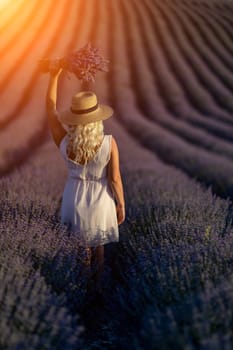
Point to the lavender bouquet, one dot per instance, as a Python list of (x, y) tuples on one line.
[(84, 63)]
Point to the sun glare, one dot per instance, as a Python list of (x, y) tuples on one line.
[(8, 10), (3, 3)]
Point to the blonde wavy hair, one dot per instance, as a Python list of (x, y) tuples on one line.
[(84, 140)]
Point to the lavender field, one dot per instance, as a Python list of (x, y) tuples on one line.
[(168, 283)]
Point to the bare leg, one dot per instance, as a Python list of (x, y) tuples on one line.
[(97, 264)]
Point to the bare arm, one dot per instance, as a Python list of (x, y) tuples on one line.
[(114, 178), (57, 130)]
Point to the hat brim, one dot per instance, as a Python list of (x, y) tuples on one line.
[(101, 113)]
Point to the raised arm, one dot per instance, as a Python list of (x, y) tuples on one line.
[(114, 178), (57, 130)]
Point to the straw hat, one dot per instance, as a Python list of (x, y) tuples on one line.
[(85, 109)]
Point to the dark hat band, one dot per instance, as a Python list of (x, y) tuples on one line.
[(83, 111)]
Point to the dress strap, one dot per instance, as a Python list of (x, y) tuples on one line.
[(109, 146), (62, 147), (105, 148), (104, 151)]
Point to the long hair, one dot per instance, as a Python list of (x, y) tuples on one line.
[(84, 140)]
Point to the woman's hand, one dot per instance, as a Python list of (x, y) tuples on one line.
[(50, 66), (120, 209), (57, 130), (55, 67)]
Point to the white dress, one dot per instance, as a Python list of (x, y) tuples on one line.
[(88, 206)]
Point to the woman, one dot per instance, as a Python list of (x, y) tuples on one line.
[(93, 200)]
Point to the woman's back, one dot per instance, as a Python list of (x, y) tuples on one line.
[(88, 205), (95, 168)]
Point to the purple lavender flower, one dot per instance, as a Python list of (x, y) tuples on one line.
[(85, 63)]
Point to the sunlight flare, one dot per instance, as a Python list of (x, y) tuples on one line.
[(4, 3)]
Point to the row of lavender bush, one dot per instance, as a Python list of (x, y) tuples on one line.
[(176, 286), (38, 262), (172, 94), (178, 99), (220, 25), (210, 72), (205, 166), (188, 74), (207, 27), (28, 111)]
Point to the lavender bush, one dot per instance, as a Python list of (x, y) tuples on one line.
[(177, 267), (178, 114), (212, 78), (174, 254), (136, 115), (193, 33), (169, 88), (189, 77)]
